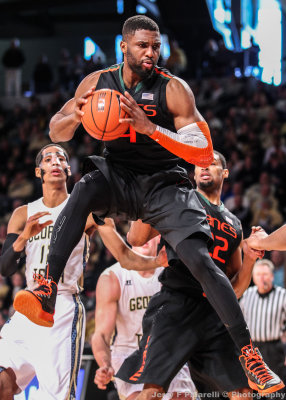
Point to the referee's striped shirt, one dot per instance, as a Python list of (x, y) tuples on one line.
[(265, 314)]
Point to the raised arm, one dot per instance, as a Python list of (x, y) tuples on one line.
[(19, 231), (107, 296), (65, 122), (128, 258), (240, 271), (192, 140)]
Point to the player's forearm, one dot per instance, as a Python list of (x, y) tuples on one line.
[(241, 281), (275, 241), (10, 256), (101, 351), (63, 127), (131, 260), (192, 143)]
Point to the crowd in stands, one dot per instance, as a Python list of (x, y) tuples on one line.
[(247, 120)]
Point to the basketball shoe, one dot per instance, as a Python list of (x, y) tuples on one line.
[(38, 305), (260, 377)]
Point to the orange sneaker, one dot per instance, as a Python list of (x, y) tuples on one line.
[(38, 305), (260, 377)]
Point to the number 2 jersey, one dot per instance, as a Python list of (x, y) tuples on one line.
[(227, 234), (37, 249)]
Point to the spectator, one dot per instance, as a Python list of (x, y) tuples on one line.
[(278, 259), (13, 60), (43, 76)]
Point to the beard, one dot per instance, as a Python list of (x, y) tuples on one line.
[(206, 185), (137, 67)]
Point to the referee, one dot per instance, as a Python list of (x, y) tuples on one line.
[(264, 309)]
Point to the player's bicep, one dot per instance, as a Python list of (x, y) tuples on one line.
[(181, 103), (18, 220), (140, 233)]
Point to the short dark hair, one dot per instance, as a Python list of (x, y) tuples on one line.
[(39, 155), (136, 23), (221, 158)]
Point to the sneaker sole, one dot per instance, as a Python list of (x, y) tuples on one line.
[(27, 304), (264, 392)]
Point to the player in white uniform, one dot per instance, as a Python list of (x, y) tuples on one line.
[(122, 297), (22, 343)]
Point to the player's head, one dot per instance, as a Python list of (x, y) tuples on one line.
[(149, 248), (141, 44), (262, 275), (211, 178), (52, 163)]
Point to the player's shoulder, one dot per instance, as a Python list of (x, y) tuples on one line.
[(20, 212), (115, 269)]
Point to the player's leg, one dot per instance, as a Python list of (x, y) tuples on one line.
[(194, 254), (151, 392), (8, 385)]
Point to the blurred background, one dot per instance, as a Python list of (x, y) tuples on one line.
[(231, 52)]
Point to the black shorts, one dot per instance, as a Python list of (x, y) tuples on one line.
[(163, 200), (179, 329)]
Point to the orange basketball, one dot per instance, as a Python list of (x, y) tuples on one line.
[(101, 115)]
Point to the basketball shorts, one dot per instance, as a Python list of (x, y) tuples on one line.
[(178, 329), (182, 382), (164, 200), (53, 354)]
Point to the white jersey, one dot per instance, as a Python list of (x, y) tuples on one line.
[(136, 292), (37, 249)]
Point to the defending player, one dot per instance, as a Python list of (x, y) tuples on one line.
[(121, 300), (26, 349), (142, 180), (185, 323)]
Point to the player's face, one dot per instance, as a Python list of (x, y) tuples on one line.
[(210, 178), (142, 51), (149, 248), (54, 164), (262, 278)]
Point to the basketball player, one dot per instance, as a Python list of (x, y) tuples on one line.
[(142, 180), (186, 325), (121, 299), (53, 354)]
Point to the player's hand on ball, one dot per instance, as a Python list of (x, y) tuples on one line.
[(79, 102), (137, 117), (103, 376)]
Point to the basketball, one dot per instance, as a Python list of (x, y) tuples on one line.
[(101, 115)]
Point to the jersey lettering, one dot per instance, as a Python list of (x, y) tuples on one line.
[(221, 226), (139, 303), (150, 109), (46, 233)]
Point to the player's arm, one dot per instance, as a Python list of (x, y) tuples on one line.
[(65, 122), (128, 258), (275, 241), (192, 140), (240, 271), (19, 231), (140, 233), (107, 296)]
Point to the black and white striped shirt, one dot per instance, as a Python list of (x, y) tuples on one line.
[(265, 315)]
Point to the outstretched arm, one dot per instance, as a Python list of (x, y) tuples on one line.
[(107, 296), (275, 241), (240, 271), (139, 233), (128, 258)]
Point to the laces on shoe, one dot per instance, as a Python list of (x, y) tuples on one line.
[(255, 364), (45, 285)]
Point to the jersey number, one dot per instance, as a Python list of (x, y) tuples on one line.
[(218, 248)]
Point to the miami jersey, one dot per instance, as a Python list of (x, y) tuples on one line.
[(136, 292), (37, 249)]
